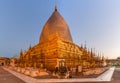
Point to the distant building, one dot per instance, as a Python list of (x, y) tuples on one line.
[(114, 62), (4, 61)]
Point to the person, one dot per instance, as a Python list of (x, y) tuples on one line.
[(56, 70), (70, 74)]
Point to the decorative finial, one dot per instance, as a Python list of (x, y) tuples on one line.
[(56, 8)]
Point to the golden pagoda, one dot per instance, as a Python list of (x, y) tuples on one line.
[(55, 44)]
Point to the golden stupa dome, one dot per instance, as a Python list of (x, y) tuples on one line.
[(56, 23)]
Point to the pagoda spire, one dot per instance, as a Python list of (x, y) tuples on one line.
[(56, 9), (82, 46), (21, 52), (85, 46), (30, 46), (91, 51)]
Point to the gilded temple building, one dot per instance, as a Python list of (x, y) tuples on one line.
[(55, 44)]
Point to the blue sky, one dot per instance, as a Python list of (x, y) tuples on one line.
[(95, 21)]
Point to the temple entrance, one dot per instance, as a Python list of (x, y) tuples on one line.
[(61, 69)]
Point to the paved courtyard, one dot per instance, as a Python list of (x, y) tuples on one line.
[(6, 77), (115, 77)]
